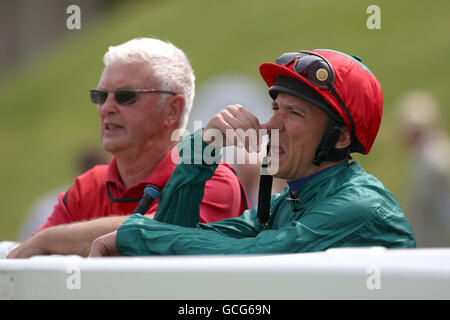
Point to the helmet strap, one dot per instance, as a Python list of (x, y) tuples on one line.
[(326, 150)]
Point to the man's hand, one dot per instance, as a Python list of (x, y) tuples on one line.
[(238, 127), (105, 246), (33, 246)]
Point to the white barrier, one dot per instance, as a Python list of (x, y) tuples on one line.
[(353, 273)]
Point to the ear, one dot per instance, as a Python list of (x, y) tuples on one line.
[(344, 139), (173, 109)]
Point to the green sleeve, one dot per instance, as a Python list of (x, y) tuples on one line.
[(142, 236), (182, 195)]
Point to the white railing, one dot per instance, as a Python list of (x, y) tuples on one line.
[(353, 273)]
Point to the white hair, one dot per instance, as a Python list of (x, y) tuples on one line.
[(168, 64)]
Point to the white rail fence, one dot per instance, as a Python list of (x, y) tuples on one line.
[(353, 273)]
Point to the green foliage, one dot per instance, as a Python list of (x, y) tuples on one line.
[(46, 116)]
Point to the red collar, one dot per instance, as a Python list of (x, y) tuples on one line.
[(158, 177)]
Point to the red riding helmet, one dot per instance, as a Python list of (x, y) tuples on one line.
[(337, 81)]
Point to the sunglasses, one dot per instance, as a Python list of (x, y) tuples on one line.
[(122, 96), (311, 67)]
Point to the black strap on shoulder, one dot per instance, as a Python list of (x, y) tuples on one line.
[(65, 199)]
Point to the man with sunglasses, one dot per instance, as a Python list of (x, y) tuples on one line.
[(144, 95), (326, 105)]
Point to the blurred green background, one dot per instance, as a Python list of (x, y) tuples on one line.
[(46, 117)]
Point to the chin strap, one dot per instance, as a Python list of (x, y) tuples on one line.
[(326, 150)]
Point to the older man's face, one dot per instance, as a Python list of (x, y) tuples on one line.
[(301, 126), (130, 128)]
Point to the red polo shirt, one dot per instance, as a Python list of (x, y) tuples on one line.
[(100, 192)]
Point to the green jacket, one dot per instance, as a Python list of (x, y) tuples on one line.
[(341, 207)]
